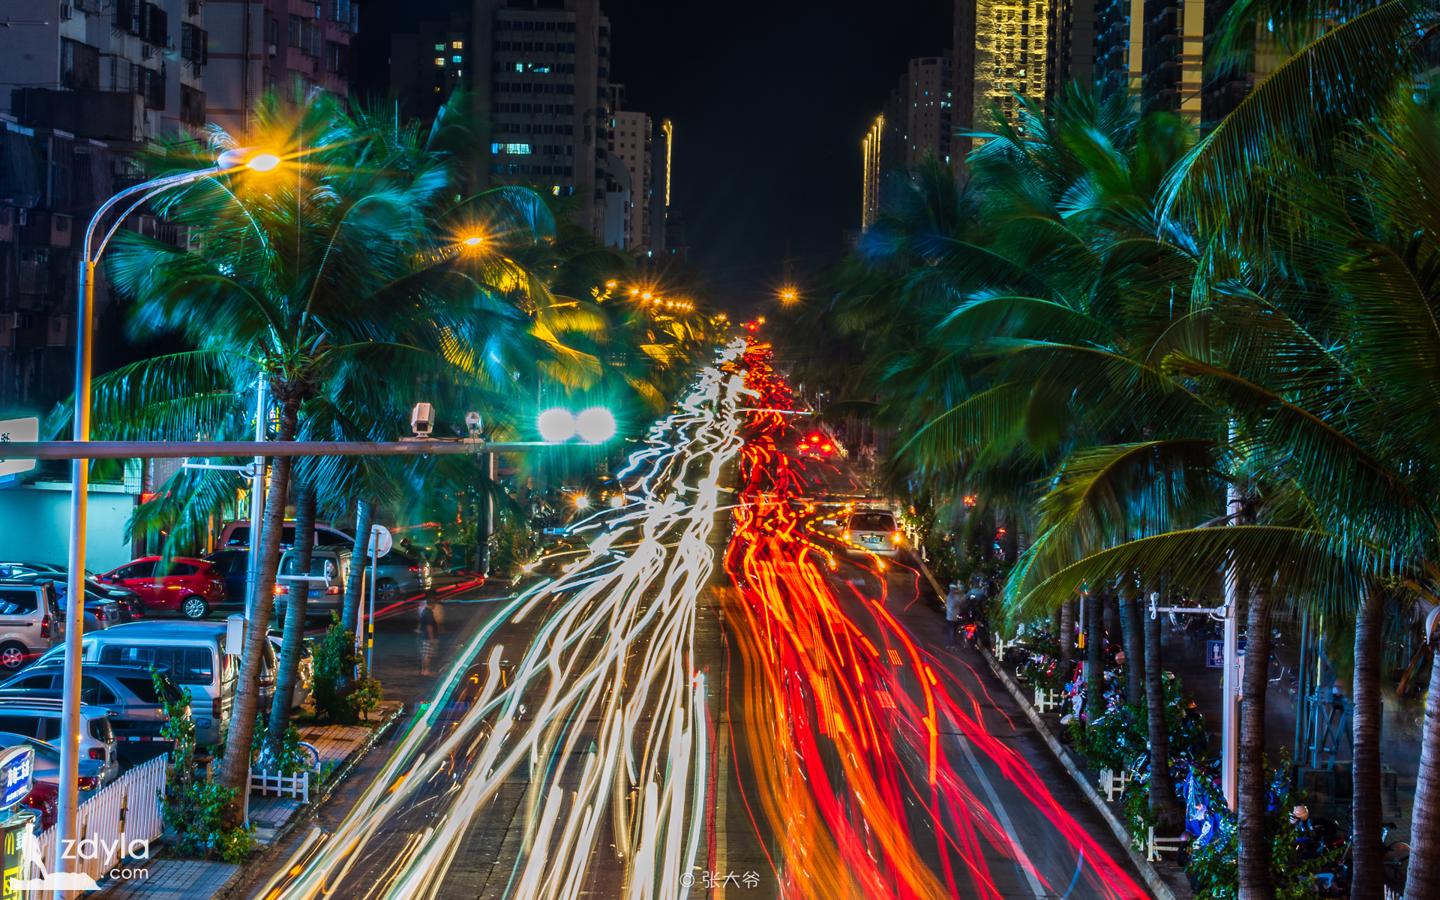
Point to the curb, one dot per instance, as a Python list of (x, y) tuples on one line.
[(307, 812), (1152, 878)]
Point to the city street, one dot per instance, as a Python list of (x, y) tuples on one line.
[(692, 708)]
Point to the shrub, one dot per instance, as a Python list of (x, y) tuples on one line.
[(193, 809), (339, 695)]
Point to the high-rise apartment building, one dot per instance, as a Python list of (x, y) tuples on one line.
[(537, 73), (917, 123), (927, 94), (632, 142), (1011, 43), (1002, 51), (117, 70), (272, 45), (871, 169), (1070, 55)]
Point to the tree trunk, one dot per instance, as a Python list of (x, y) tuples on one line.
[(1423, 879), (235, 770), (1134, 648), (1067, 637), (1367, 851), (360, 551), (1164, 805), (1256, 882), (292, 645), (1094, 658)]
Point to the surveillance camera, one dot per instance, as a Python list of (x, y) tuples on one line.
[(422, 419), (473, 422)]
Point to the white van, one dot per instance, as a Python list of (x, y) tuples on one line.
[(237, 534), (192, 653)]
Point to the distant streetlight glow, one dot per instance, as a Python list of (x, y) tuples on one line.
[(595, 425), (789, 295), (581, 500), (474, 241), (556, 425)]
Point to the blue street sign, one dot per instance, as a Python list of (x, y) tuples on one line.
[(17, 767)]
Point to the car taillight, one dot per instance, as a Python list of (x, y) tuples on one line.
[(215, 707), (97, 753), (897, 538), (88, 782), (332, 590), (282, 589), (45, 626), (415, 568)]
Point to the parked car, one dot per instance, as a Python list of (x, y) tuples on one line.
[(44, 798), (100, 611), (233, 567), (47, 761), (30, 622), (237, 534), (183, 585), (398, 575), (128, 693), (874, 530), (129, 600), (330, 569), (39, 717), (191, 653)]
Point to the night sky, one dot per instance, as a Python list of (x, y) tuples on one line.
[(770, 101)]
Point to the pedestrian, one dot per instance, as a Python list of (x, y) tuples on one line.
[(428, 630), (954, 609)]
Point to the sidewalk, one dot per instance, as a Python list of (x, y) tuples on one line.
[(342, 749)]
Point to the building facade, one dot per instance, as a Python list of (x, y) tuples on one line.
[(260, 46), (871, 167), (115, 70), (1012, 41)]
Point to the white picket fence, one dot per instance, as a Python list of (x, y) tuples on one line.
[(123, 812), (266, 783)]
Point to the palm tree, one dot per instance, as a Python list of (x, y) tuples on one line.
[(318, 276)]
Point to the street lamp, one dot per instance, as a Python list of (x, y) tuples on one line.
[(91, 249), (595, 425), (789, 295)]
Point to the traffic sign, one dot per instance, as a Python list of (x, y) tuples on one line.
[(18, 430), (380, 541)]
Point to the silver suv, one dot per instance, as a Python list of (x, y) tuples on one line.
[(40, 718), (136, 708), (30, 622)]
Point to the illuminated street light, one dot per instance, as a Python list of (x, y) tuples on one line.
[(595, 425), (556, 426), (581, 500), (789, 295), (96, 238)]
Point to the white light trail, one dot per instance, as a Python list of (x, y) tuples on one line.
[(609, 678)]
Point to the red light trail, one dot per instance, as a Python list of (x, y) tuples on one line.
[(863, 732)]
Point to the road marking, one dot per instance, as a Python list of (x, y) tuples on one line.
[(1002, 817), (722, 781)]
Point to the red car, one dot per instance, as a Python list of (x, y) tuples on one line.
[(191, 587), (816, 446)]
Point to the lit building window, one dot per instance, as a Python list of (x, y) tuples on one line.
[(457, 45), (439, 47), (457, 59), (439, 60), (512, 149)]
